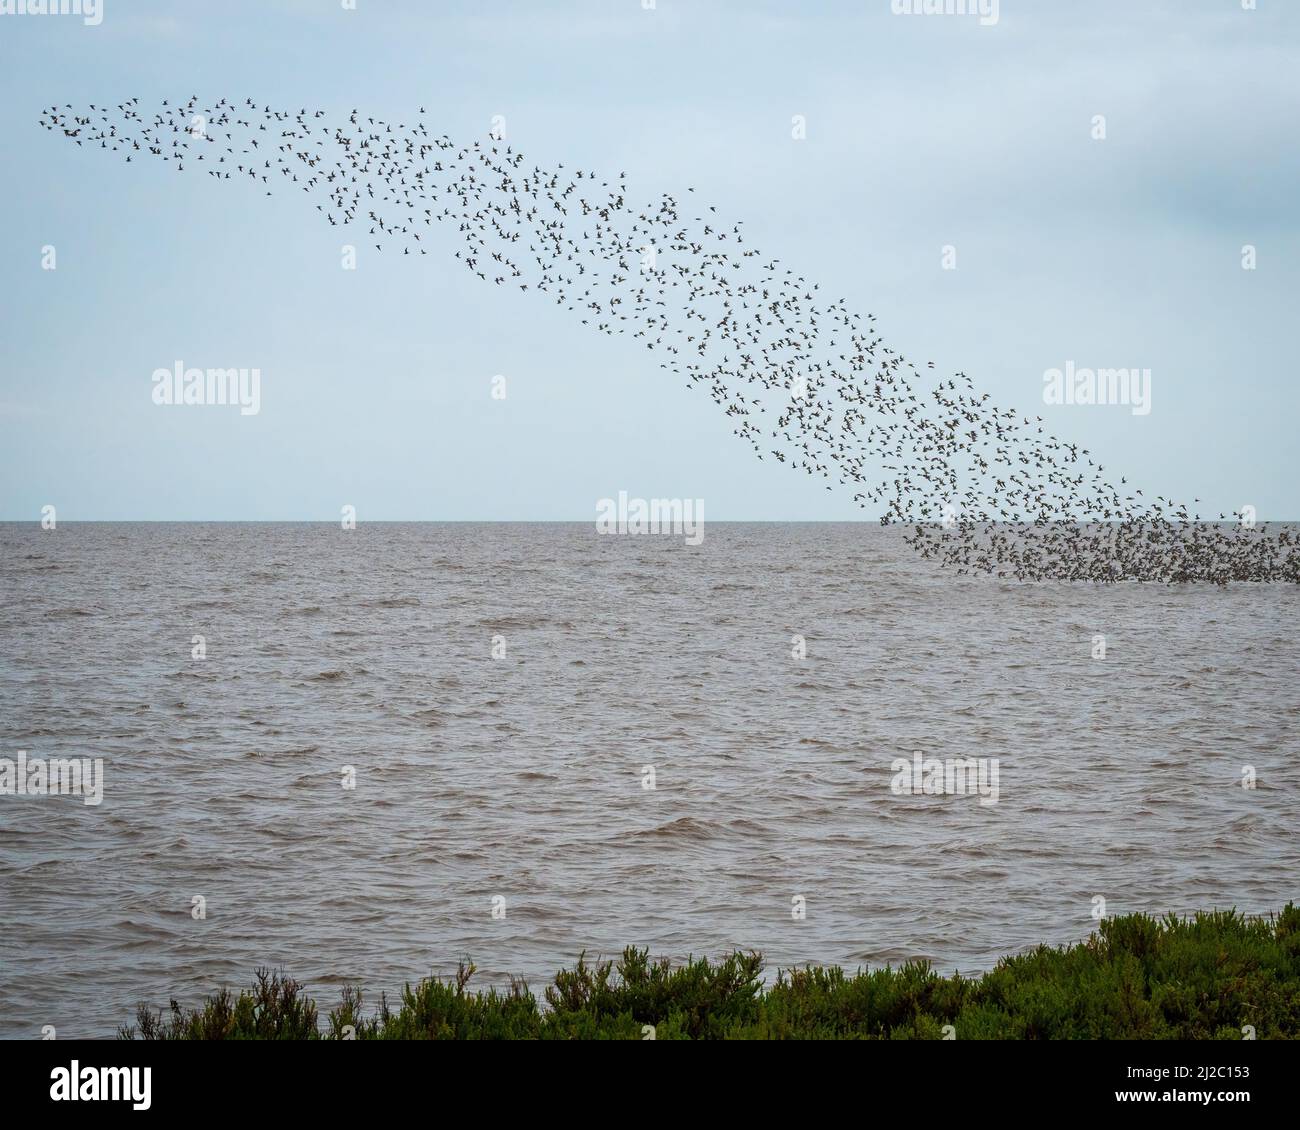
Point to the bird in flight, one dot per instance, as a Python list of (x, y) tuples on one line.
[(979, 489)]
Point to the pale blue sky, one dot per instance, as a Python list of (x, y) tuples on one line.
[(922, 131)]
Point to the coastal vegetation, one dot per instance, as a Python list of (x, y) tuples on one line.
[(1217, 975)]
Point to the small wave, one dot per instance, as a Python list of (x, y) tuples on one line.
[(519, 622), (683, 828)]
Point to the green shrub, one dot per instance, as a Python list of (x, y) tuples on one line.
[(1137, 978)]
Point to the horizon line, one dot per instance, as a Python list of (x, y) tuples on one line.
[(572, 521)]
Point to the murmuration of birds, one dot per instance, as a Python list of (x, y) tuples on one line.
[(980, 489)]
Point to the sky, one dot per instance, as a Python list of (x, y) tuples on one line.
[(922, 132)]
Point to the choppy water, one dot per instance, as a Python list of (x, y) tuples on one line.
[(522, 776)]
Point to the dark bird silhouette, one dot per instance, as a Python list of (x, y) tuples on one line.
[(980, 489)]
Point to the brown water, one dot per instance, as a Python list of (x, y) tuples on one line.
[(521, 776)]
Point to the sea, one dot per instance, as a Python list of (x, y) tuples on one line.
[(365, 755)]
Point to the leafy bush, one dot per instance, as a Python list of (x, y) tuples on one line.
[(1137, 978)]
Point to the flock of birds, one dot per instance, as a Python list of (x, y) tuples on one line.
[(806, 382)]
